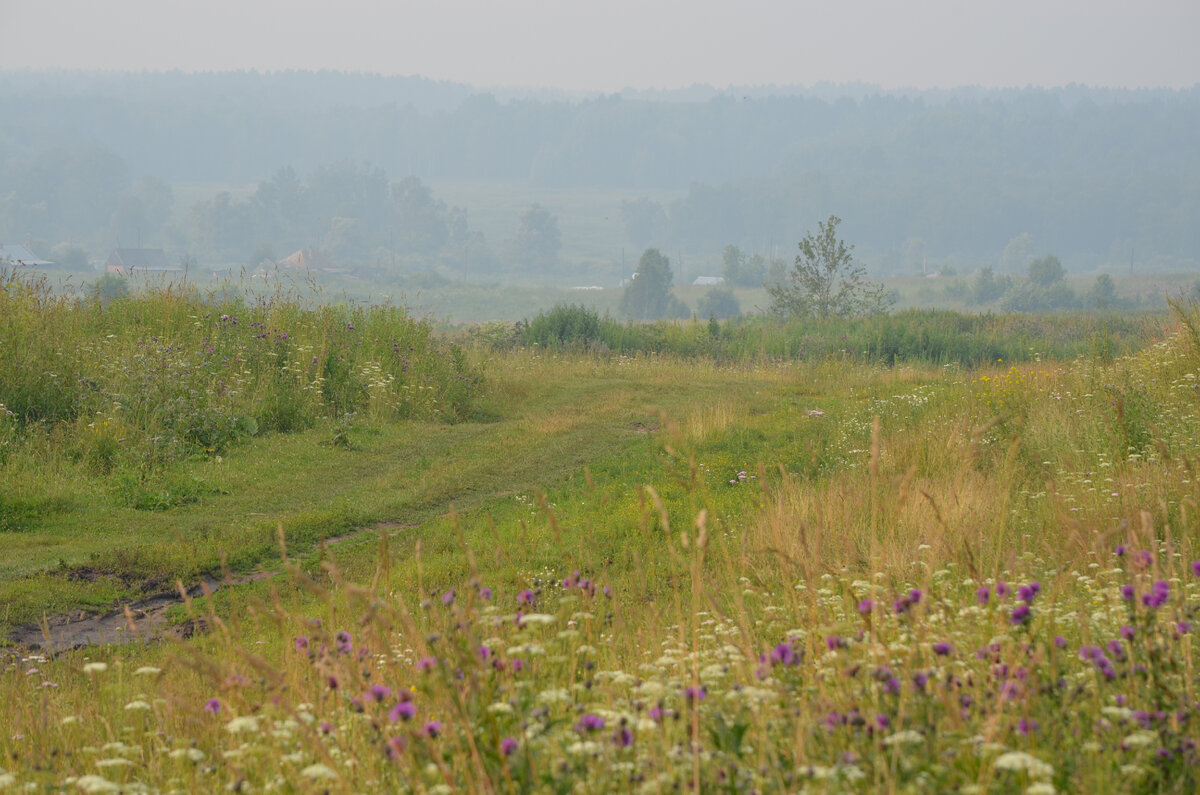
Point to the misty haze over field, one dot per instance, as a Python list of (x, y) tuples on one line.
[(387, 181), (229, 169)]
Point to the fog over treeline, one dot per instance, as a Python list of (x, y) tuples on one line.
[(350, 164)]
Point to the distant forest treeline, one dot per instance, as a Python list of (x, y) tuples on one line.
[(1094, 176)]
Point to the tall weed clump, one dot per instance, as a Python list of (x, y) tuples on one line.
[(153, 377)]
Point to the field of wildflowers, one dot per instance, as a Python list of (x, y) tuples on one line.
[(843, 579)]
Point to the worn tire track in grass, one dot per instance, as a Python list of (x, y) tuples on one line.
[(404, 477)]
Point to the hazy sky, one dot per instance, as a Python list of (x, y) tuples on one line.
[(606, 45)]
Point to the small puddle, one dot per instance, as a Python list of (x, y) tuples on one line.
[(142, 621)]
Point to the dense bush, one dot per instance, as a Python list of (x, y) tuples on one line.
[(914, 335), (148, 378)]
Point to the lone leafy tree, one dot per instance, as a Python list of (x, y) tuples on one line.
[(825, 282), (648, 295)]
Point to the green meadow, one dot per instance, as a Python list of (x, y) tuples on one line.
[(920, 553)]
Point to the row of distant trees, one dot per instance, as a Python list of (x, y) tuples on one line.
[(80, 201), (825, 281)]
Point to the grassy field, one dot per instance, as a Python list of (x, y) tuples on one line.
[(642, 572)]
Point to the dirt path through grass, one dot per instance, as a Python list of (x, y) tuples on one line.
[(89, 563)]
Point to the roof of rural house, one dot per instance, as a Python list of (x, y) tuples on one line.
[(149, 259), (18, 253), (306, 258)]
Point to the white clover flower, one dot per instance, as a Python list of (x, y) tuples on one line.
[(500, 708), (650, 688), (147, 670), (116, 761), (119, 747), (1019, 761), (528, 649), (93, 783), (553, 695), (318, 772), (584, 747), (246, 724), (95, 668), (1117, 713), (1140, 739), (906, 737), (190, 754), (850, 773), (538, 619)]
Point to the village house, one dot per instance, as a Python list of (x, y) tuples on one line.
[(141, 260)]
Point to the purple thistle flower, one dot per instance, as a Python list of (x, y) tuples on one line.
[(1183, 627), (508, 746), (378, 693), (920, 680), (484, 652), (1060, 642), (943, 649), (448, 598), (433, 728), (901, 605), (213, 706), (657, 714), (517, 664), (1001, 590), (1127, 593), (914, 596), (834, 642), (589, 723), (405, 710), (622, 737), (426, 664), (332, 681), (1026, 593), (301, 643), (1196, 567), (1025, 726), (326, 727), (783, 655), (1120, 550), (608, 591), (1144, 557), (891, 685), (1127, 632), (1019, 615), (983, 594), (396, 746), (866, 606), (485, 593), (525, 597), (695, 694), (882, 722)]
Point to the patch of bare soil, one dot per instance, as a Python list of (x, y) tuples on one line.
[(142, 621)]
